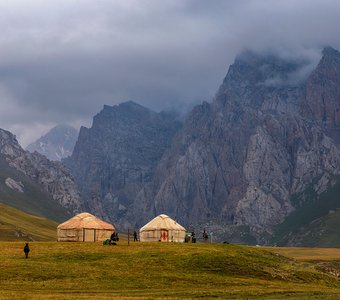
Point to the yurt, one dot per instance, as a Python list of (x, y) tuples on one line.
[(162, 229), (84, 227)]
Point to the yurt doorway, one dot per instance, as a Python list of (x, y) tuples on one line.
[(164, 235), (89, 235)]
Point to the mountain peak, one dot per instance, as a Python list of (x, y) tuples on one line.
[(5, 134), (329, 65), (130, 103), (330, 52), (254, 74), (127, 104), (266, 69), (330, 59), (8, 143), (128, 107), (58, 143), (322, 90)]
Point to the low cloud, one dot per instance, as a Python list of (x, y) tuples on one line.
[(61, 61)]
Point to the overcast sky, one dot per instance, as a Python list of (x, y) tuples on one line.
[(62, 60)]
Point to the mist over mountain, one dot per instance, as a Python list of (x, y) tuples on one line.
[(56, 144), (61, 61), (258, 164), (237, 163), (240, 159)]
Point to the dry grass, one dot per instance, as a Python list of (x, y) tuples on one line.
[(306, 254), (157, 271)]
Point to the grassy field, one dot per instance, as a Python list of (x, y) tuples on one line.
[(308, 254), (164, 271), (16, 225)]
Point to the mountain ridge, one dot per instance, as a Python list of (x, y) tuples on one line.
[(114, 158), (234, 166), (240, 159), (57, 143), (46, 179)]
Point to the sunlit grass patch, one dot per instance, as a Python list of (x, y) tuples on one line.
[(156, 270)]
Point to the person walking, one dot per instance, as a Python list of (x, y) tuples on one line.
[(26, 250), (135, 238)]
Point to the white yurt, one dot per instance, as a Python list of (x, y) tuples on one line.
[(162, 229), (84, 227)]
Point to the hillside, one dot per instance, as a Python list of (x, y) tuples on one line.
[(315, 221), (16, 225), (33, 199), (159, 271), (50, 179)]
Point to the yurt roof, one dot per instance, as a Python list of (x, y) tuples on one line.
[(85, 220), (162, 222)]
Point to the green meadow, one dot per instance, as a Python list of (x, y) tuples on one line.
[(155, 270), (16, 225), (165, 271)]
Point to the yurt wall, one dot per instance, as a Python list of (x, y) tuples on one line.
[(84, 227), (162, 236), (83, 235)]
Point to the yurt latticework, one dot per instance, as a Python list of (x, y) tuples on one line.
[(84, 227), (163, 229)]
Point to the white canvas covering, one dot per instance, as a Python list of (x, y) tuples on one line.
[(84, 227), (163, 229)]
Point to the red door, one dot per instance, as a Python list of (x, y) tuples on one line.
[(164, 235)]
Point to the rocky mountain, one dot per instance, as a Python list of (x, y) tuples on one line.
[(58, 143), (238, 162), (46, 185), (263, 154), (116, 157)]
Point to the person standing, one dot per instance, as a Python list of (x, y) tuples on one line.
[(135, 238), (205, 235), (26, 250)]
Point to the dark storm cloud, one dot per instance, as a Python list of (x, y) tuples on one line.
[(60, 61)]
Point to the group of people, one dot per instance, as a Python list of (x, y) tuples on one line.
[(191, 236), (115, 238)]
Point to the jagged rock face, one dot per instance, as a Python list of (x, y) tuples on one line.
[(239, 159), (8, 144), (52, 176), (57, 144), (271, 131), (322, 101), (116, 157)]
